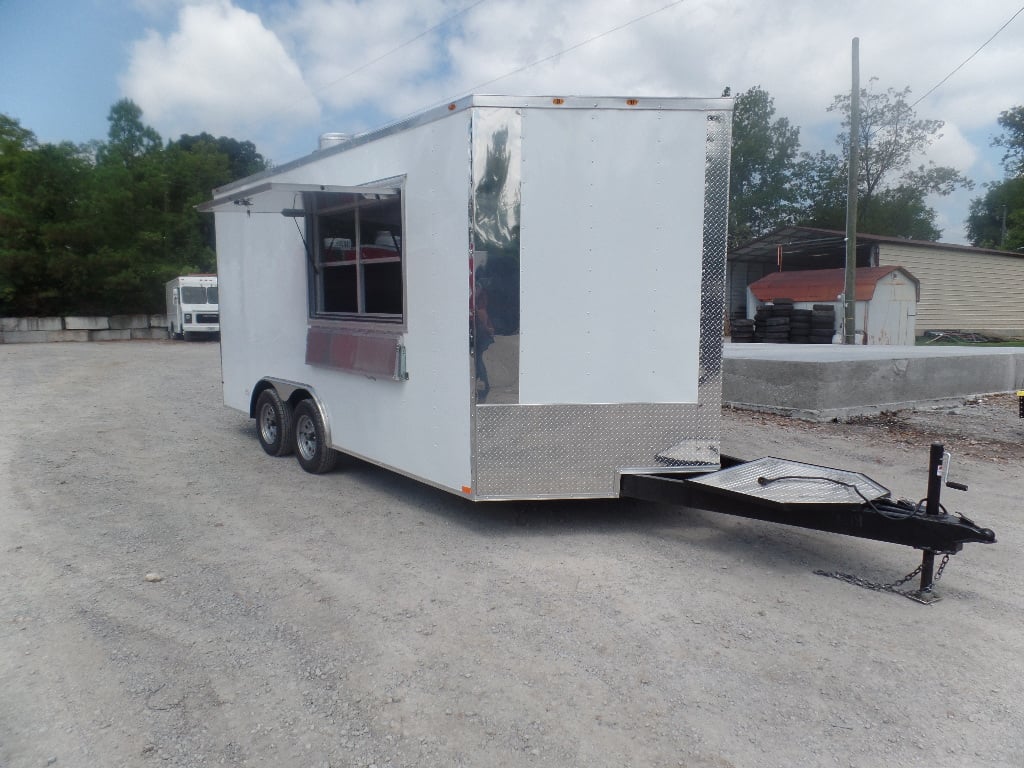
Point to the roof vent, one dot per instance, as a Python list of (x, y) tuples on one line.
[(333, 139)]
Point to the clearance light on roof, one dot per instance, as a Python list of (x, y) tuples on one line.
[(632, 102), (451, 107), (558, 100)]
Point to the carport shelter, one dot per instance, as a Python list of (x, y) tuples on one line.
[(961, 288)]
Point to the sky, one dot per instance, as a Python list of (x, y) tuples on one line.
[(280, 73)]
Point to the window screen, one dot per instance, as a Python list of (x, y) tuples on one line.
[(357, 256)]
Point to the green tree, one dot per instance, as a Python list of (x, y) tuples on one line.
[(892, 191), (1012, 140), (128, 138), (1003, 202), (13, 138), (99, 228), (243, 157), (764, 151), (820, 188), (196, 165), (41, 191), (996, 220)]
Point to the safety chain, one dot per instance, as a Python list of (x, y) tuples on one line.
[(892, 586)]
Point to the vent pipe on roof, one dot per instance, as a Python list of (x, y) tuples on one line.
[(333, 139)]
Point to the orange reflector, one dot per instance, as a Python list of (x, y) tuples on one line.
[(467, 490), (557, 100), (451, 107), (632, 102)]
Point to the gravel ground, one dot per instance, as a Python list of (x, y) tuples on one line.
[(171, 595)]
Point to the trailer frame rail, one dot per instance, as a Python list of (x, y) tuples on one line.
[(858, 505)]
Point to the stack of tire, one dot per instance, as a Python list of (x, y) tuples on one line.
[(742, 331), (761, 317), (823, 323), (776, 325), (800, 326)]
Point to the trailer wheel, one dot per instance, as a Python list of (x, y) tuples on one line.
[(311, 448), (274, 423)]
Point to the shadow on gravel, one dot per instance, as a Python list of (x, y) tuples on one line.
[(733, 539), (736, 540)]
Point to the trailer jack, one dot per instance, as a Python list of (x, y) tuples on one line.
[(826, 499)]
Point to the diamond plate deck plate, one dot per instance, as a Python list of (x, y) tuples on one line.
[(574, 451), (794, 483)]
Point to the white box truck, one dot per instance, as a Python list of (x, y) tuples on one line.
[(192, 307)]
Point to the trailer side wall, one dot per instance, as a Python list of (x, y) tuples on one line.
[(421, 426)]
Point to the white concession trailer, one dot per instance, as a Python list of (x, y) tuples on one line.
[(519, 298), (505, 297)]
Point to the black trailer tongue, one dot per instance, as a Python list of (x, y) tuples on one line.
[(826, 499)]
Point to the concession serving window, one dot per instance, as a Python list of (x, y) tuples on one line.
[(352, 237)]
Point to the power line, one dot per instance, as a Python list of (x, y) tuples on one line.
[(577, 45), (397, 48), (525, 67), (941, 82)]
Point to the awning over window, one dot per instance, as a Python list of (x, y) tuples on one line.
[(286, 199)]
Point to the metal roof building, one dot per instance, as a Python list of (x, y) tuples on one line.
[(961, 288)]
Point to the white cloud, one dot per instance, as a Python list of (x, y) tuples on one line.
[(953, 149), (224, 69), (220, 71)]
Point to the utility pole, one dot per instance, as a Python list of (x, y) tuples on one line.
[(850, 290)]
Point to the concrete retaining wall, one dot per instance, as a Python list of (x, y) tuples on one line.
[(835, 381), (31, 330)]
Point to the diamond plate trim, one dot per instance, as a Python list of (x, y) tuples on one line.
[(795, 483), (572, 451)]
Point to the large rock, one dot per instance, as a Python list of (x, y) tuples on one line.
[(35, 337), (111, 335), (124, 322), (86, 323), (31, 324)]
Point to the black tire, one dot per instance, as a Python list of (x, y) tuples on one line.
[(274, 423), (310, 437)]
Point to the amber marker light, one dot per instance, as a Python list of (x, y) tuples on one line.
[(558, 100), (451, 107), (632, 102)]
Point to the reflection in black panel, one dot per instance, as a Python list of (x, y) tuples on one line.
[(340, 289), (383, 286)]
